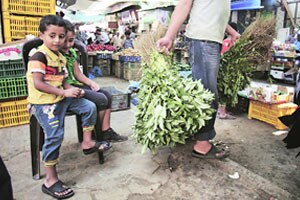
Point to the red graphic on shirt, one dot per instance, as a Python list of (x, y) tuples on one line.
[(51, 70)]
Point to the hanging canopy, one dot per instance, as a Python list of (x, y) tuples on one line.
[(245, 4)]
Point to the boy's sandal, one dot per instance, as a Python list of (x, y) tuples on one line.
[(213, 153), (58, 190), (103, 144)]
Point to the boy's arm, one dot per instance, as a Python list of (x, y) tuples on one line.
[(83, 79), (41, 85)]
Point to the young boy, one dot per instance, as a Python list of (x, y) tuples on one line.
[(50, 98), (92, 90)]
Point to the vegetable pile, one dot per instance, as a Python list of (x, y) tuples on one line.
[(171, 108), (242, 59), (100, 47)]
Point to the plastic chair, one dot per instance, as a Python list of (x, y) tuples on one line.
[(36, 131)]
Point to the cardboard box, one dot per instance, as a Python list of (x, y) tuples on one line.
[(269, 93), (11, 50)]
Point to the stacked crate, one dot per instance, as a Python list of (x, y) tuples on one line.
[(22, 17), (13, 93)]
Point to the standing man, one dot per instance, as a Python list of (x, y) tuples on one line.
[(205, 32)]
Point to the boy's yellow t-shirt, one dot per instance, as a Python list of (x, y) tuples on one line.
[(52, 66)]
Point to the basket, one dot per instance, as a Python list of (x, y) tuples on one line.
[(11, 68), (132, 71), (269, 113), (13, 87), (120, 100), (13, 113), (104, 66), (118, 68), (17, 27), (29, 7)]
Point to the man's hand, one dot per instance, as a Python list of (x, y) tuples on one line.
[(164, 44), (235, 37)]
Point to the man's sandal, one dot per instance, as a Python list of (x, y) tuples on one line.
[(58, 190), (103, 144), (213, 153)]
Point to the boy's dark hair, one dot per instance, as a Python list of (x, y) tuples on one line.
[(127, 33), (69, 26), (51, 20)]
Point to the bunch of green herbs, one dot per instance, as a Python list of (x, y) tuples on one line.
[(171, 108)]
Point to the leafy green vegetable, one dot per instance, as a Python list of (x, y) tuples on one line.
[(171, 108)]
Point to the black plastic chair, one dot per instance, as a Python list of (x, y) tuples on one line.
[(36, 131)]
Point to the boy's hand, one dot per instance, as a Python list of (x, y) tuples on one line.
[(94, 86), (82, 93), (72, 92)]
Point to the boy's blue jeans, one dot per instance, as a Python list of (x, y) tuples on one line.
[(51, 117), (204, 57)]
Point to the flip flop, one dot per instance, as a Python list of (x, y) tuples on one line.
[(106, 146), (211, 154), (58, 187), (226, 116)]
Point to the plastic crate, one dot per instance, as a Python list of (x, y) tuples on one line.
[(11, 68), (29, 7), (17, 27), (120, 100), (269, 113), (118, 69), (13, 87), (132, 71), (13, 113)]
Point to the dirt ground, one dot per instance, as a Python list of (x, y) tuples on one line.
[(253, 146), (267, 169)]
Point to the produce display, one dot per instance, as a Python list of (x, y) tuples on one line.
[(100, 47), (129, 52), (241, 60), (171, 108), (129, 55)]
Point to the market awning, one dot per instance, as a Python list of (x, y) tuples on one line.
[(121, 6), (245, 4)]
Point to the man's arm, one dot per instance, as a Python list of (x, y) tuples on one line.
[(233, 33), (180, 13)]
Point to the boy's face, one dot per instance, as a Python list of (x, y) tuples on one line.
[(69, 41), (53, 37)]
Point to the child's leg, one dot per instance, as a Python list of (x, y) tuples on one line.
[(87, 110), (51, 119)]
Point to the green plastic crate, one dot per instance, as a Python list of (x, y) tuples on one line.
[(11, 68), (13, 87)]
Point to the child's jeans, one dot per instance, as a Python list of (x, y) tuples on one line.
[(51, 117)]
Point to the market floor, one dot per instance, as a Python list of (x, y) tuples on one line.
[(266, 169)]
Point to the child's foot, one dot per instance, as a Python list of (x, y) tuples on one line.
[(111, 135), (92, 146), (58, 190)]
